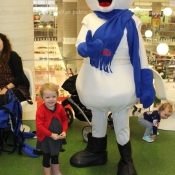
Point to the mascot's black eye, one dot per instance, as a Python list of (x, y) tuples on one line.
[(110, 1)]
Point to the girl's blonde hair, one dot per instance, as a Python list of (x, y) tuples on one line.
[(164, 106), (48, 86)]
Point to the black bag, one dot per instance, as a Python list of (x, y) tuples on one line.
[(4, 99), (69, 85)]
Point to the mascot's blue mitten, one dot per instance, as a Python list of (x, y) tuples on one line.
[(91, 48), (147, 96)]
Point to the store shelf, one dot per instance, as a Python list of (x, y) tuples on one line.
[(43, 72), (49, 65)]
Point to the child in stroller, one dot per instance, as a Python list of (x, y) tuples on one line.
[(80, 111)]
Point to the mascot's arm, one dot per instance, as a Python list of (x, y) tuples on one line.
[(147, 95), (91, 48), (86, 45)]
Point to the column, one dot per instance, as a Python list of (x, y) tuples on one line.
[(82, 7), (70, 15)]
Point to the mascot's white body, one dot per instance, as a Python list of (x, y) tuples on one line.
[(112, 91), (104, 92)]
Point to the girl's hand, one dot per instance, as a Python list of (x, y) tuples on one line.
[(54, 136), (62, 135)]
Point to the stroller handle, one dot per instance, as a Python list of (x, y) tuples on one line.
[(70, 100)]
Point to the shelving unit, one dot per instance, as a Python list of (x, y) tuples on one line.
[(49, 64), (44, 22), (44, 34), (47, 50)]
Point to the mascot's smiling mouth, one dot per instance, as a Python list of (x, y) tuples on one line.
[(105, 3)]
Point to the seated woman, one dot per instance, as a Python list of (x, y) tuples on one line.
[(11, 71)]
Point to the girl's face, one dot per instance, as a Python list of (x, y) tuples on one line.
[(50, 99), (1, 45), (165, 113)]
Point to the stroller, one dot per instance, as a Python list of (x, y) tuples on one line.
[(80, 111), (10, 124)]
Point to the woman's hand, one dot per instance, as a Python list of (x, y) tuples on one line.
[(3, 91)]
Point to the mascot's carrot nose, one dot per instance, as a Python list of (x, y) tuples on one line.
[(105, 3)]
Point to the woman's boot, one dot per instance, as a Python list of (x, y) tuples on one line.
[(94, 154)]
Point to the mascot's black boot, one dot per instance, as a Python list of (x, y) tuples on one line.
[(94, 154), (125, 165)]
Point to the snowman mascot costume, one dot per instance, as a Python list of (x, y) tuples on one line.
[(113, 77)]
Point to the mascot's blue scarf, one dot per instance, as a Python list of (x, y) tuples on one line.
[(111, 33)]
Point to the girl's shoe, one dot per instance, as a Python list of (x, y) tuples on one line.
[(147, 139)]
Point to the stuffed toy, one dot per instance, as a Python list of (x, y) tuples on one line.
[(113, 77)]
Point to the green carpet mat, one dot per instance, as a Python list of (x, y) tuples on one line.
[(155, 158)]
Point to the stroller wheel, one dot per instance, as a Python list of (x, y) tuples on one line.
[(110, 120), (85, 131), (70, 116)]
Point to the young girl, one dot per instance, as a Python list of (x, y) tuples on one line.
[(51, 127), (150, 120)]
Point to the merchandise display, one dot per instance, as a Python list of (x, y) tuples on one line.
[(44, 20), (49, 65)]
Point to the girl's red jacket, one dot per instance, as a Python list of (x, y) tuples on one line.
[(44, 117)]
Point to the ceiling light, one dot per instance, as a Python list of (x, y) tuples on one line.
[(167, 11), (55, 14), (162, 49), (148, 33), (48, 26)]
